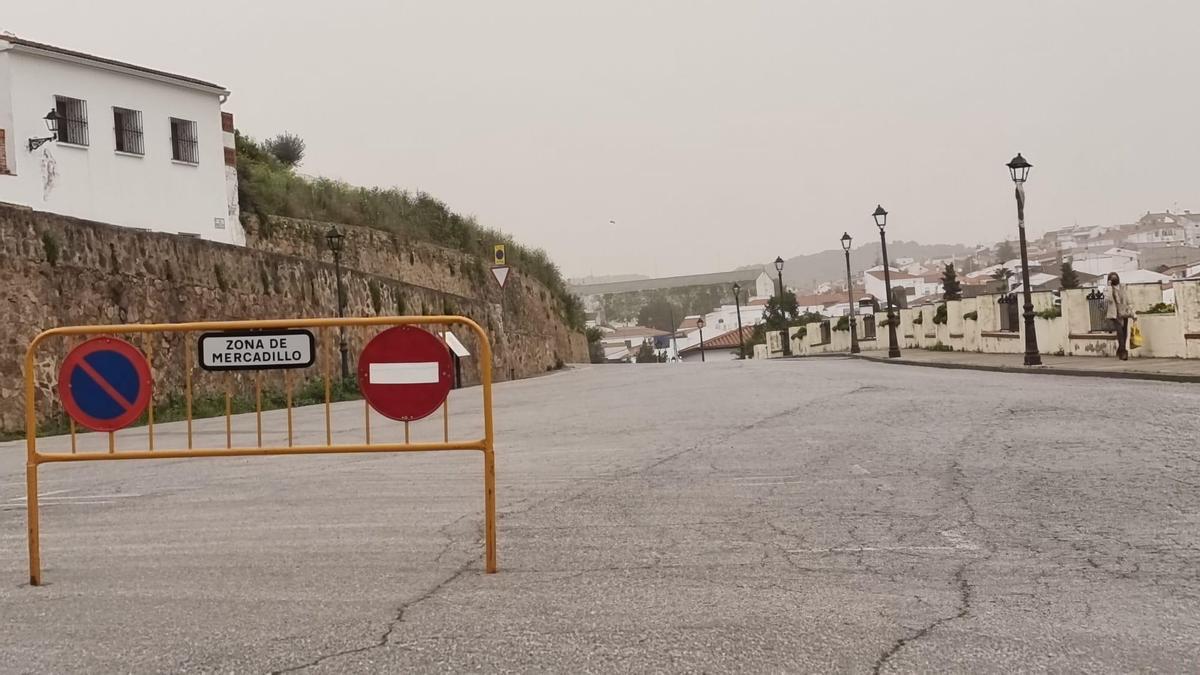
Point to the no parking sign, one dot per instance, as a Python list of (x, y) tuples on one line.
[(104, 384)]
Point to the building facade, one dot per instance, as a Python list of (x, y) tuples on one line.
[(132, 146)]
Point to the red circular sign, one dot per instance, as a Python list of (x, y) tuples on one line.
[(105, 384), (405, 373)]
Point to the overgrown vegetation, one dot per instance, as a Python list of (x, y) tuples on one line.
[(843, 323), (939, 347), (920, 319), (971, 316), (268, 186), (1051, 313)]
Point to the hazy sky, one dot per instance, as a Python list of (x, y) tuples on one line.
[(715, 134)]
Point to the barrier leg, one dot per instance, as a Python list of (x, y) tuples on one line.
[(489, 495), (31, 507)]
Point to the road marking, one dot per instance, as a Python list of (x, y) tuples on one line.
[(425, 372), (957, 540), (870, 549), (44, 499)]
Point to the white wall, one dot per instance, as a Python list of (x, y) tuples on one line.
[(95, 183)]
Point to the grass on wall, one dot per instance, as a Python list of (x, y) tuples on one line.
[(268, 187)]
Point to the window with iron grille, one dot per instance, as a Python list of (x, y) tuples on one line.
[(1010, 313), (1096, 306), (184, 147), (869, 327), (72, 120), (127, 125)]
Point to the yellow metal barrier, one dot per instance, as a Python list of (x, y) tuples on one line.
[(36, 458)]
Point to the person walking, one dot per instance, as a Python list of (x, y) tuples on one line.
[(1118, 313)]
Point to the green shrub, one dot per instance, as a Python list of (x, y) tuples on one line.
[(1052, 313), (1158, 308), (939, 316), (971, 316), (843, 323), (919, 320)]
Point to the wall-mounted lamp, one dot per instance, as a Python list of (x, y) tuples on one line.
[(51, 124)]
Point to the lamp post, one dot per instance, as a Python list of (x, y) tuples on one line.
[(880, 216), (51, 119), (674, 331), (337, 242), (700, 325), (787, 348), (737, 303), (850, 295), (1018, 168)]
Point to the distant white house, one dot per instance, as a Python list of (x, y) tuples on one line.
[(95, 138), (1112, 260)]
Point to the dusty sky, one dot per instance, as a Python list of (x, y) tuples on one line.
[(714, 134)]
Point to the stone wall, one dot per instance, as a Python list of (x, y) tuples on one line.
[(59, 271)]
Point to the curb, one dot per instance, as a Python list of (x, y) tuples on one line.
[(1036, 370)]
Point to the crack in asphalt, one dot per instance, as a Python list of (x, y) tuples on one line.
[(392, 625), (964, 607)]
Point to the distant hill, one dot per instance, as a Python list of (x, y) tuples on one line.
[(805, 271)]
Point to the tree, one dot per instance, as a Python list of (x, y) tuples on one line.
[(779, 314), (951, 289), (660, 314), (595, 348), (1005, 252), (646, 353), (1069, 278), (287, 148), (1002, 274)]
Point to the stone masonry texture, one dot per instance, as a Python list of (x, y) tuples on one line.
[(60, 271)]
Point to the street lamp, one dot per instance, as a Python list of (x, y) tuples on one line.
[(787, 348), (1019, 169), (700, 325), (850, 294), (337, 242), (51, 120), (881, 221), (737, 302)]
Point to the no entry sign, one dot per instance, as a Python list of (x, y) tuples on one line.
[(405, 373), (104, 384)]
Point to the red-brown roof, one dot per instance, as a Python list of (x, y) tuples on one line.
[(727, 340)]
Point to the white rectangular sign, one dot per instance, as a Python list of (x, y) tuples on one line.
[(425, 372), (455, 346), (257, 350)]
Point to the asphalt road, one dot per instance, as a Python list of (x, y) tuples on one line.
[(811, 515)]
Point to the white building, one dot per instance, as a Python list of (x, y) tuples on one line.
[(132, 146), (1100, 264)]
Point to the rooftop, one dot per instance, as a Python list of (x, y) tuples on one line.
[(10, 41), (726, 340)]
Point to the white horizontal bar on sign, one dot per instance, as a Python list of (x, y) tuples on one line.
[(425, 372)]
